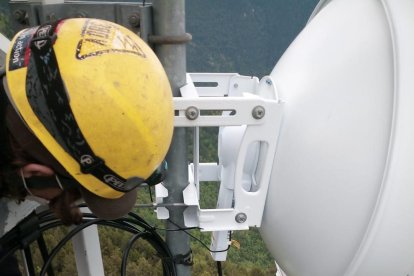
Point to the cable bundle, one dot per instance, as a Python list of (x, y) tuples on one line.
[(32, 228)]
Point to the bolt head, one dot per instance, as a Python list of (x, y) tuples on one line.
[(51, 18), (258, 112), (192, 113), (268, 81), (241, 218), (133, 20), (20, 15)]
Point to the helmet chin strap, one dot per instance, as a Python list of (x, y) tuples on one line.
[(30, 196), (42, 182), (24, 183)]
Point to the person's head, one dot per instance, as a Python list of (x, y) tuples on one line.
[(89, 100)]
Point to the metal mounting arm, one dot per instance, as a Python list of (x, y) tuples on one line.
[(249, 115)]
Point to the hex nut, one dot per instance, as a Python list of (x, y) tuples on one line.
[(134, 20)]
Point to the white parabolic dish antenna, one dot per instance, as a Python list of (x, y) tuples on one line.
[(341, 196)]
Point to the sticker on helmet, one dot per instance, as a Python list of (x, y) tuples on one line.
[(99, 37), (20, 52), (113, 181), (42, 32)]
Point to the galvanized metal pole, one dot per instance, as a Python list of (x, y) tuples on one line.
[(169, 22)]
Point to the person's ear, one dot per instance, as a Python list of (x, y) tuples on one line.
[(36, 170)]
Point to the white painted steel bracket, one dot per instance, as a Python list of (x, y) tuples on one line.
[(249, 115)]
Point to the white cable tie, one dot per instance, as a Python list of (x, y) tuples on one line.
[(58, 181), (24, 183)]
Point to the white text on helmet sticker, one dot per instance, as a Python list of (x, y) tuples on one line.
[(43, 31), (86, 159), (113, 180), (19, 55)]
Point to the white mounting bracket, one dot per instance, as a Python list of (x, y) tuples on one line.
[(249, 115)]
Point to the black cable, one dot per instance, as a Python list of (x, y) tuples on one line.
[(10, 251), (176, 230), (128, 224), (63, 242), (29, 260), (127, 249), (43, 251), (158, 243), (144, 224), (48, 221), (199, 240)]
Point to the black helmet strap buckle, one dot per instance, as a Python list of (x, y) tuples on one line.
[(51, 105)]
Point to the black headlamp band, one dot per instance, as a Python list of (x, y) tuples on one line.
[(56, 114)]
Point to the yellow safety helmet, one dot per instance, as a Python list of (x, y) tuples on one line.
[(97, 98)]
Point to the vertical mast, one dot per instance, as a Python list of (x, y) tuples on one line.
[(169, 23)]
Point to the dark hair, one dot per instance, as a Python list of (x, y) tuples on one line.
[(10, 179), (63, 206), (9, 163), (12, 159)]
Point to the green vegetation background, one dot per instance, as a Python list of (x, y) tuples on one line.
[(244, 36)]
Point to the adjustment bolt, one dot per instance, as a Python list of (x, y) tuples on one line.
[(133, 20), (268, 81), (258, 112), (51, 18), (20, 16), (192, 113), (241, 218)]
